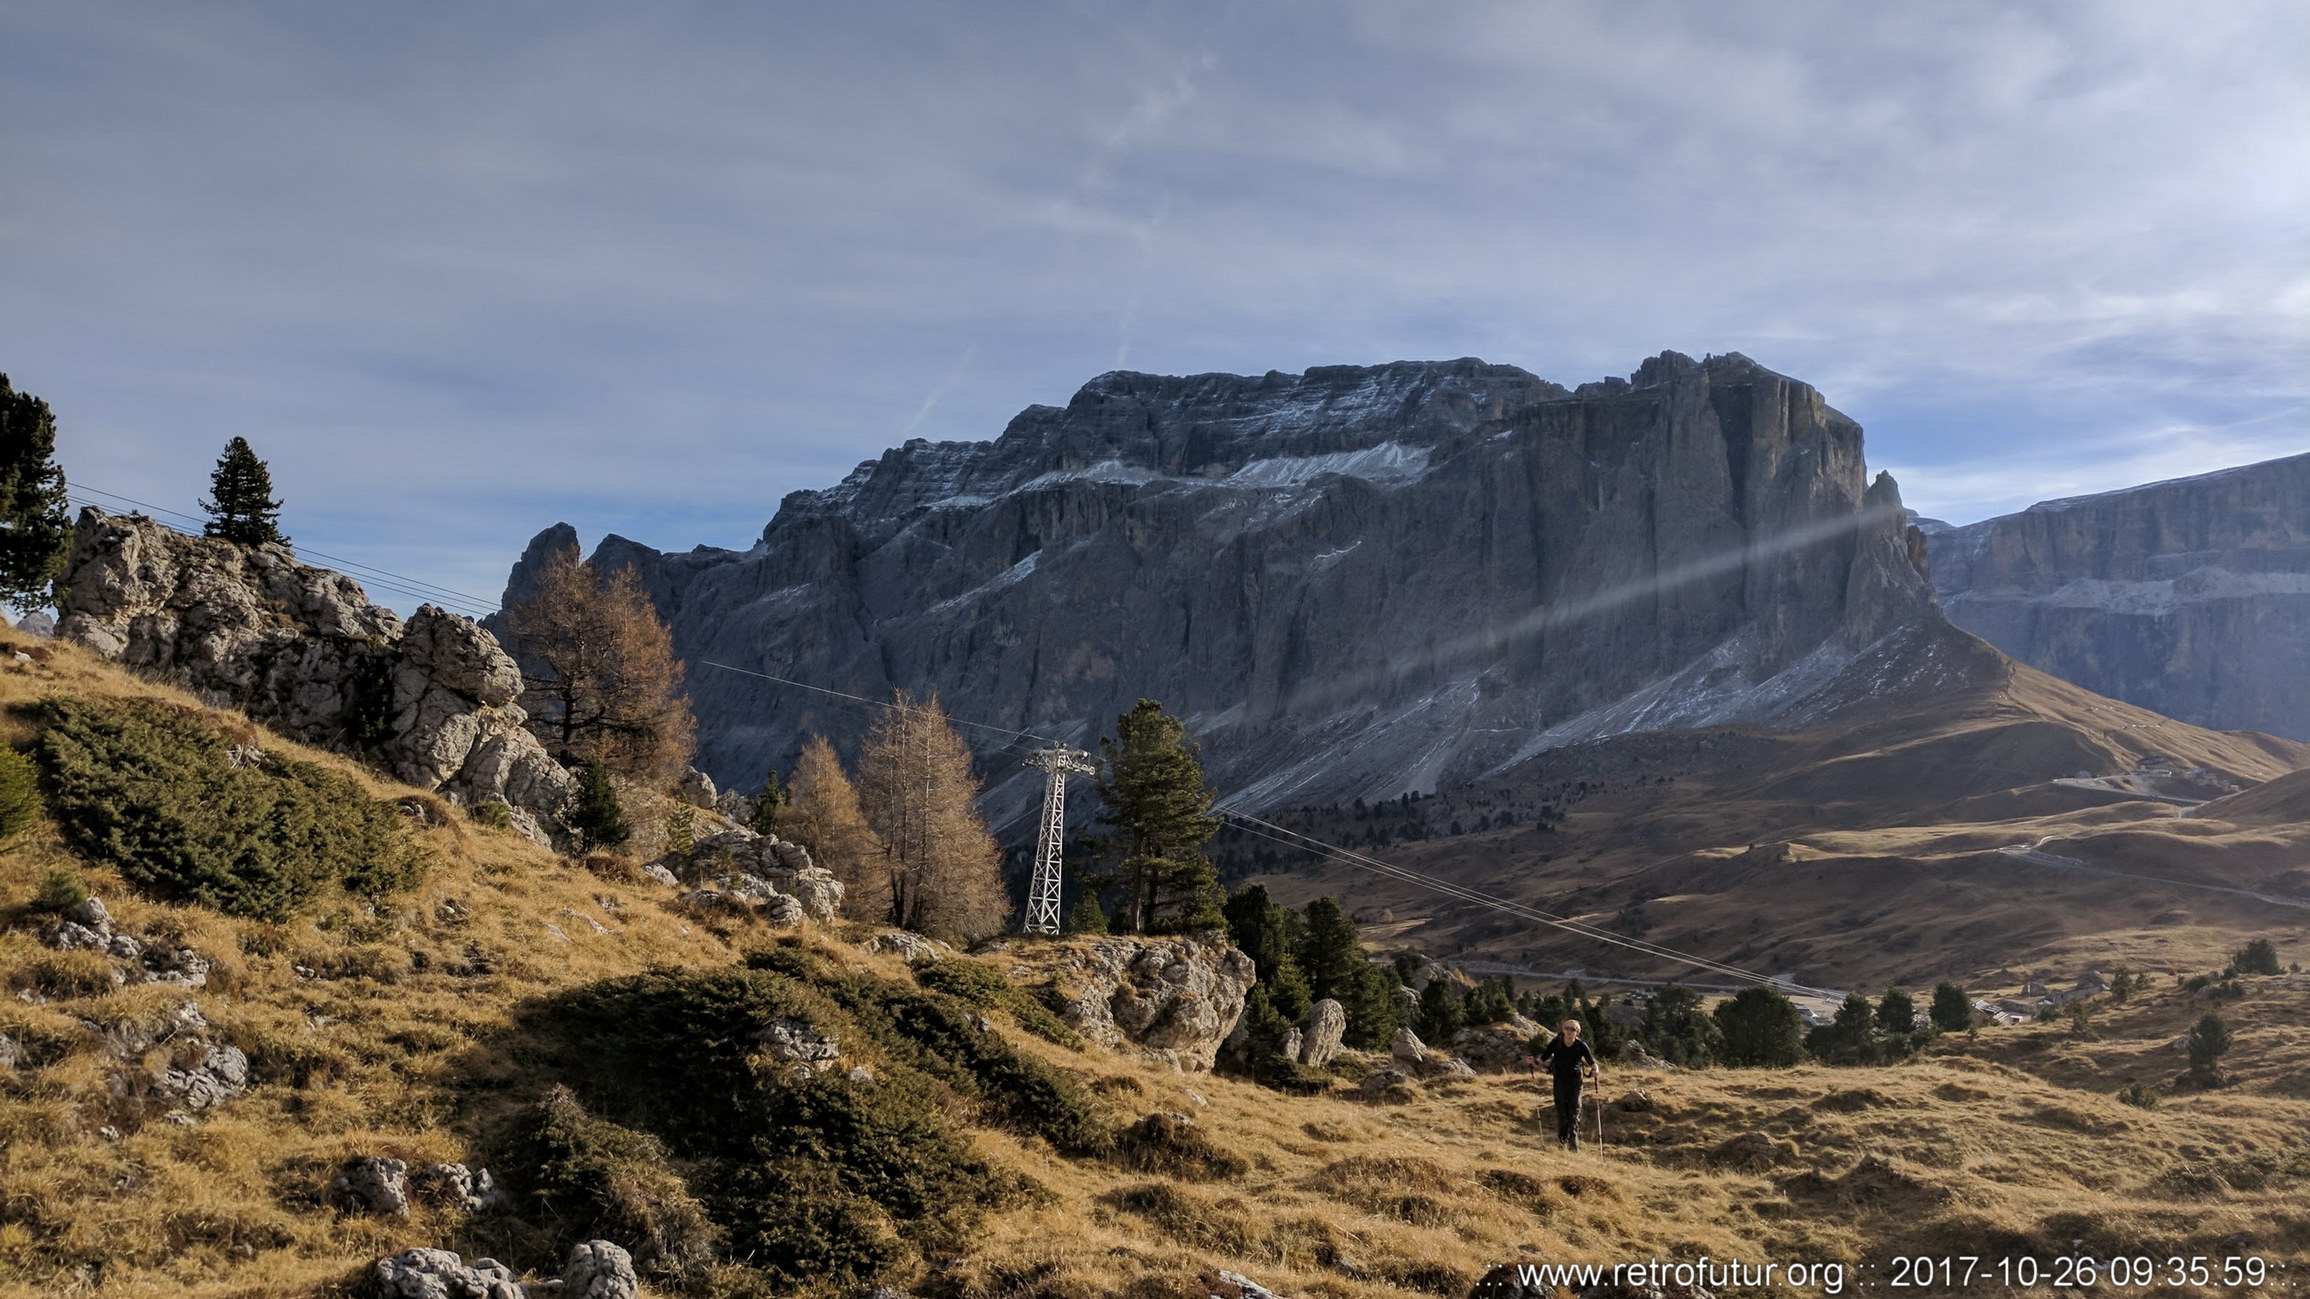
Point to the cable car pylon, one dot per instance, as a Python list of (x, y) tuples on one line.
[(1056, 763)]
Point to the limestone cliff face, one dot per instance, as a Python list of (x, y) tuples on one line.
[(2189, 597), (1350, 581), (303, 650)]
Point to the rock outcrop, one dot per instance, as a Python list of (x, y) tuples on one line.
[(1351, 581), (1176, 997), (741, 868), (2190, 598), (440, 1274), (303, 650)]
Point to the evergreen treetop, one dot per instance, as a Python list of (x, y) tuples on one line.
[(35, 513), (241, 505), (1155, 798)]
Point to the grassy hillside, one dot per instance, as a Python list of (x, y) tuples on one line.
[(614, 1059), (1859, 854)]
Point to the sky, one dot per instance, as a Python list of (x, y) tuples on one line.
[(460, 271)]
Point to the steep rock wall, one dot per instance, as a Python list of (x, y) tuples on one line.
[(2190, 597), (1351, 581)]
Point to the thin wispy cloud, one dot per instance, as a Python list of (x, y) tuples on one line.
[(462, 271)]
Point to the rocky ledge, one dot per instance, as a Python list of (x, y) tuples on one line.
[(303, 650), (1175, 997)]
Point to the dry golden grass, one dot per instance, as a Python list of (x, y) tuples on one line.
[(384, 1031)]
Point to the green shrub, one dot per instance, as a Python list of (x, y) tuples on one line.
[(491, 814), (598, 1179), (1176, 1146), (815, 1177), (2138, 1096), (19, 794), (60, 891), (981, 985), (152, 791), (2256, 957)]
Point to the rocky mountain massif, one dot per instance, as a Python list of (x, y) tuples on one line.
[(303, 650), (2189, 597), (1352, 581)]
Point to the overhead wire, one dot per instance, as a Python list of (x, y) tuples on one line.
[(1420, 879), (1308, 843)]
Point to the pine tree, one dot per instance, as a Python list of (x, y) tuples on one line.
[(769, 804), (1159, 806), (1440, 1012), (35, 513), (2209, 1042), (1677, 1030), (2256, 957), (1761, 1028), (1952, 1010), (598, 818), (1851, 1038), (824, 816), (1086, 916), (916, 785), (1492, 1002), (1331, 955), (241, 505), (599, 675), (1896, 1013), (1264, 929)]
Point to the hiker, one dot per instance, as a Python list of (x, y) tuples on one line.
[(1570, 1059)]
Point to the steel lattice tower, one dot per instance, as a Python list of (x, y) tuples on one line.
[(1056, 764)]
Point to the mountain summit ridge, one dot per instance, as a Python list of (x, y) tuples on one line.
[(1352, 581)]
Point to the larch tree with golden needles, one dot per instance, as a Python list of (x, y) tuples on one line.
[(823, 815), (600, 679), (919, 793)]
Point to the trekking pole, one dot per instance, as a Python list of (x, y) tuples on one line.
[(1600, 1118)]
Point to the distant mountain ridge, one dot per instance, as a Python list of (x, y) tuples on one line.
[(2189, 597), (1352, 581)]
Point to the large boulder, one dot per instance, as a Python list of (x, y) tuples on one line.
[(599, 1269), (303, 650), (771, 872), (1320, 1031), (1175, 997)]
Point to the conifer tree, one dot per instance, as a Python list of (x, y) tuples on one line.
[(769, 804), (1331, 955), (599, 676), (1896, 1013), (598, 818), (1677, 1030), (1159, 806), (241, 505), (1086, 916), (1491, 1002), (35, 518), (920, 795), (1761, 1028), (1265, 930), (1952, 1010), (1851, 1038), (1440, 1012), (2209, 1041), (824, 816)]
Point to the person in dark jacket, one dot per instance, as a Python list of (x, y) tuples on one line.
[(1571, 1061)]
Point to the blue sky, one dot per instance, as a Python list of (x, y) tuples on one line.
[(459, 271)]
